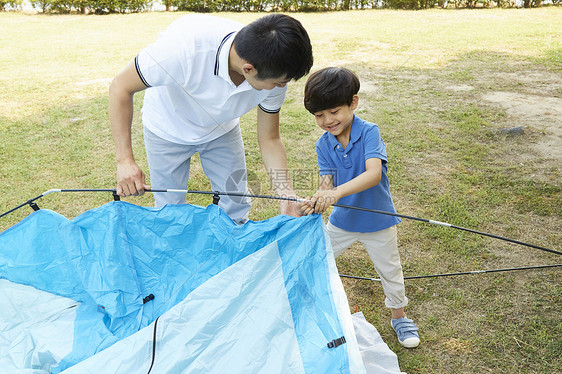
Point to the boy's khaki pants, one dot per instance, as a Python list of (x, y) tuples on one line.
[(382, 247)]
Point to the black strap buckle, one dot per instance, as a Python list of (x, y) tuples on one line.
[(216, 198), (336, 342)]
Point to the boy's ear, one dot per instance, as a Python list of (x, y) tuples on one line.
[(354, 102)]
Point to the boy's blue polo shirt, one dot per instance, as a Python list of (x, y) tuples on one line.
[(345, 164)]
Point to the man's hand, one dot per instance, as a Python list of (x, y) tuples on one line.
[(291, 208), (306, 207), (130, 179)]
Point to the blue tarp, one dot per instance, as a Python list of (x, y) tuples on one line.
[(272, 284)]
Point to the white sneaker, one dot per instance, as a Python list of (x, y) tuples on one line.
[(406, 331)]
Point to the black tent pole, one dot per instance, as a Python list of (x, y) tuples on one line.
[(218, 193)]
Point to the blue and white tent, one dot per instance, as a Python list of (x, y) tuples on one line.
[(182, 289)]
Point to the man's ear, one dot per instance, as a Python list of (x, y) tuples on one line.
[(354, 102), (247, 68)]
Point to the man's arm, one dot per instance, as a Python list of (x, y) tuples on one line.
[(130, 178), (274, 159)]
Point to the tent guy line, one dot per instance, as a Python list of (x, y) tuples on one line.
[(458, 273)]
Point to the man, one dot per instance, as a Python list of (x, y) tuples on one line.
[(203, 73)]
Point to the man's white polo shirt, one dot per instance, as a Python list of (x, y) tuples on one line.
[(191, 98)]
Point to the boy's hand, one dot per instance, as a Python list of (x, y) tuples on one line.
[(321, 200)]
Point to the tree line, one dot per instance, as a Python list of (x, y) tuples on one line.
[(134, 6)]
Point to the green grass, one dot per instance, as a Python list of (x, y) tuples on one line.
[(424, 78)]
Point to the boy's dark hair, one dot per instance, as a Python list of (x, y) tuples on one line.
[(277, 45), (329, 88)]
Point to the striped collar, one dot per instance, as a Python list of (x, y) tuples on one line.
[(219, 56)]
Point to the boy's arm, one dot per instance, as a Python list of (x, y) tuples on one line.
[(130, 178), (369, 178), (274, 159)]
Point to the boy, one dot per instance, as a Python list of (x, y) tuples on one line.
[(352, 164), (200, 76)]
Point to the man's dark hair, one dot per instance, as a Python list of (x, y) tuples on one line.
[(329, 88), (277, 46)]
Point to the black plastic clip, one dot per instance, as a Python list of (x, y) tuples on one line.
[(336, 342), (216, 198), (116, 197), (148, 298), (33, 206)]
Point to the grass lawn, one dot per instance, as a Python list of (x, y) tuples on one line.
[(445, 86)]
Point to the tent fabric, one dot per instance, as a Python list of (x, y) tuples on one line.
[(376, 355), (261, 297), (36, 329)]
